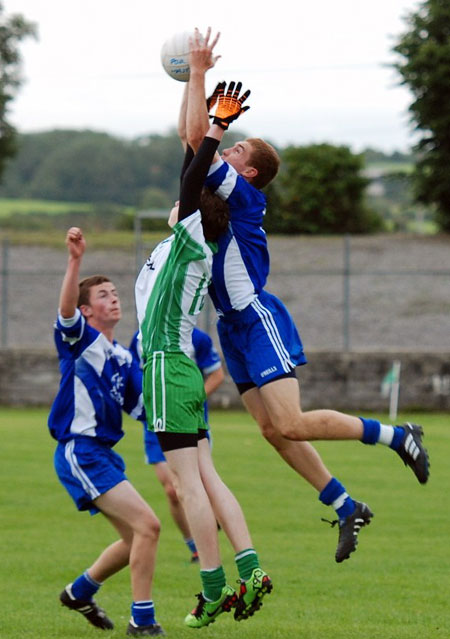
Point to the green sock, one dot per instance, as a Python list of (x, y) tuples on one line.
[(246, 561), (213, 581)]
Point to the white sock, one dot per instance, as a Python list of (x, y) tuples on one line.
[(386, 435)]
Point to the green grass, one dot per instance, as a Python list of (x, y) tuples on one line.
[(395, 586), (11, 206), (392, 167), (104, 240)]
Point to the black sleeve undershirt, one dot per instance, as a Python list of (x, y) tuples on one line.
[(188, 156), (193, 176)]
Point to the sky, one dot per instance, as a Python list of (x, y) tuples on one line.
[(319, 70)]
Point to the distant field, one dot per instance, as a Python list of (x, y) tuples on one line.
[(11, 206), (29, 235), (394, 587), (391, 167)]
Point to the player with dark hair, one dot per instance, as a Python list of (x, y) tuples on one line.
[(259, 340), (208, 360), (99, 380), (170, 292)]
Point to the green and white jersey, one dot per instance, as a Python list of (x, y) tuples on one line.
[(171, 287)]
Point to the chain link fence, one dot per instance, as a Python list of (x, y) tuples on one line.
[(358, 293)]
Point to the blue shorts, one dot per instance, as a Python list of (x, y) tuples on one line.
[(261, 342), (87, 469), (153, 451)]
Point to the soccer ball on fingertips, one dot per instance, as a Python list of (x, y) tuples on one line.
[(175, 56)]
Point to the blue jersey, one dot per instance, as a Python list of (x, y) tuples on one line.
[(241, 265), (205, 355), (99, 379)]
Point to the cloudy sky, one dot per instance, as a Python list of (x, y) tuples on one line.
[(318, 69)]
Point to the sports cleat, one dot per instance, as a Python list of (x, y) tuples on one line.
[(152, 630), (206, 612), (349, 529), (89, 609), (413, 453), (195, 558), (251, 593)]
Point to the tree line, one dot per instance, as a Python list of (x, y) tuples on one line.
[(320, 187)]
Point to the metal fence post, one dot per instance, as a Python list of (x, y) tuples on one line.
[(138, 242), (346, 294), (4, 305)]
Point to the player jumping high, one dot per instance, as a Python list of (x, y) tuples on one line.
[(260, 343)]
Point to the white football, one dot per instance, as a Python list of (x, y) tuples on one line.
[(175, 56)]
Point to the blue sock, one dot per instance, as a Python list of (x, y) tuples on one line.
[(334, 494), (375, 432), (190, 543), (397, 438), (143, 613), (84, 588), (371, 430)]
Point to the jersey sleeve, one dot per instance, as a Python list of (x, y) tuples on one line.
[(135, 348), (206, 356), (247, 204), (189, 244), (133, 396), (71, 335)]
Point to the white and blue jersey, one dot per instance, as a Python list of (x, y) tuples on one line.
[(99, 380), (259, 340), (207, 359), (241, 265)]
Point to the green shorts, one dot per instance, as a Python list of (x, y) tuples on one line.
[(174, 393)]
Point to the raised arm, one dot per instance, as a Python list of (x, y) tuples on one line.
[(68, 299), (229, 108), (201, 58), (182, 117)]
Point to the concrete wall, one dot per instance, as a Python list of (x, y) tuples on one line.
[(344, 381)]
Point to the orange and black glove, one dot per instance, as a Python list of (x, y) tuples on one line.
[(211, 101), (229, 105)]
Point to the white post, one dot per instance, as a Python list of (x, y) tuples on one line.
[(395, 389)]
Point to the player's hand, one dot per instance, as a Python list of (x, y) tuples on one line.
[(75, 242), (201, 51), (229, 105), (211, 101)]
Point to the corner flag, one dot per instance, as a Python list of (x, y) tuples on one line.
[(390, 387)]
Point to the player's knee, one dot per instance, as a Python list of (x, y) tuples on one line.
[(267, 430), (171, 494), (284, 429), (150, 526), (293, 429)]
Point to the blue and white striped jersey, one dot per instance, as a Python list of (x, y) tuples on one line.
[(99, 379), (241, 265), (206, 356)]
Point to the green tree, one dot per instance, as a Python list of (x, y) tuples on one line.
[(320, 189), (94, 167), (425, 69), (90, 166), (12, 31)]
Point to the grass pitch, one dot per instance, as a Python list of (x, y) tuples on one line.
[(396, 585)]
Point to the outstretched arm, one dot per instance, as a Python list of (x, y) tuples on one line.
[(214, 380), (182, 117), (68, 299), (229, 108), (201, 58)]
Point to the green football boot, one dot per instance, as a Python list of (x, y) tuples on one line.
[(206, 612), (251, 594)]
